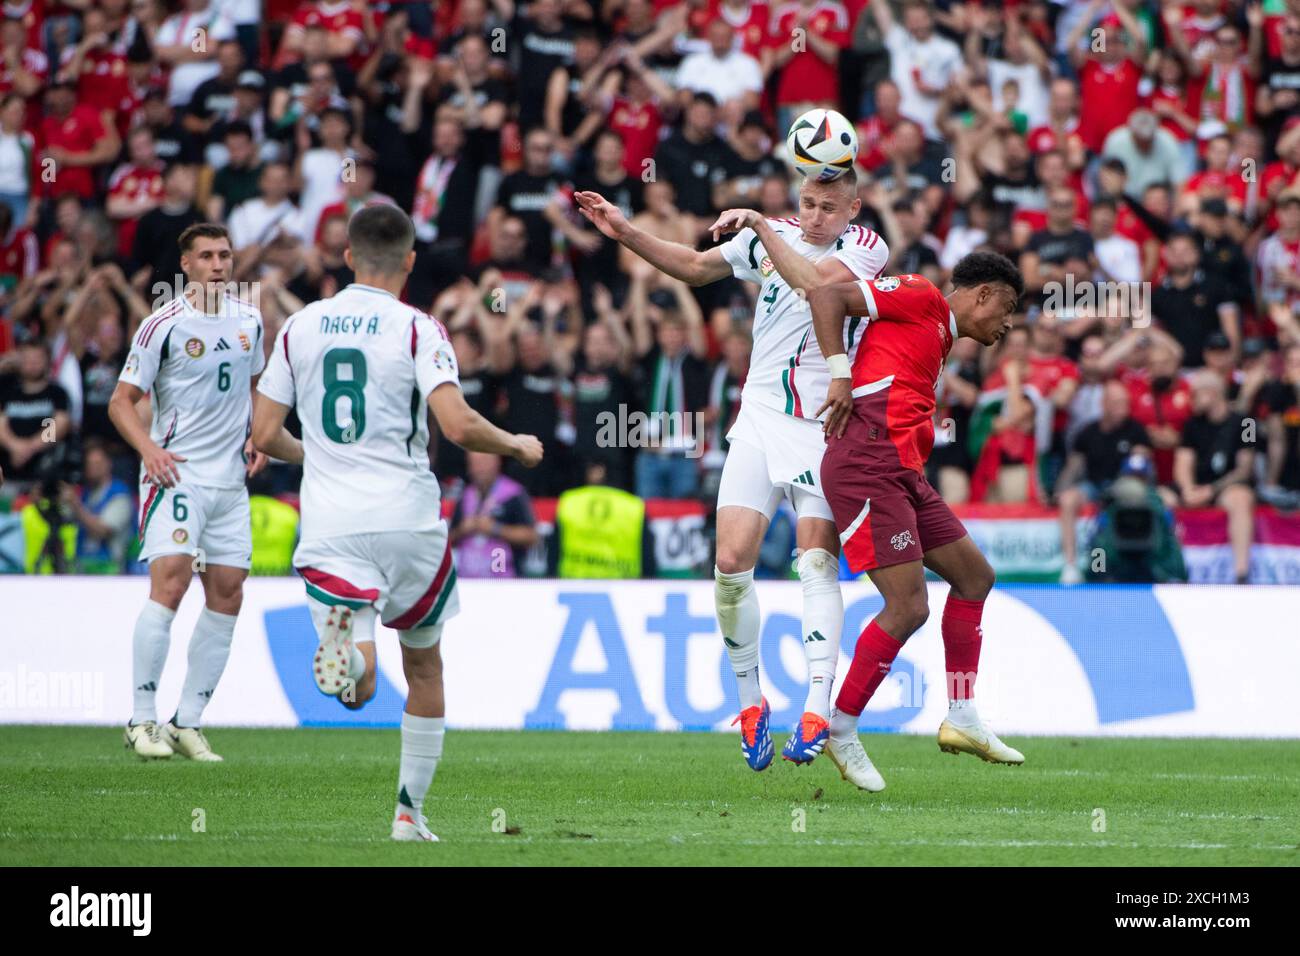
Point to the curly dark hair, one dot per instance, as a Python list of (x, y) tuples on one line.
[(981, 267)]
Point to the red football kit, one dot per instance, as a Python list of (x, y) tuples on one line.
[(874, 476)]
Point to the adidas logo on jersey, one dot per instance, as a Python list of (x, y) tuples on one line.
[(805, 479), (221, 346)]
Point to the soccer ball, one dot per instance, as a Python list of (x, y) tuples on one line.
[(822, 145)]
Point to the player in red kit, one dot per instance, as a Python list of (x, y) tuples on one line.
[(892, 524)]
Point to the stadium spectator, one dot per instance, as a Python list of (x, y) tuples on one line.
[(34, 417), (1282, 475), (922, 62), (104, 511), (1215, 463), (155, 255), (1096, 455), (492, 525), (730, 75), (668, 338), (1164, 148), (1190, 304)]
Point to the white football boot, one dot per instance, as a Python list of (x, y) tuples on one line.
[(978, 740), (853, 764), (332, 664), (190, 742), (407, 829), (147, 740)]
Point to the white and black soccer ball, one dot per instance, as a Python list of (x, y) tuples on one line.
[(822, 145)]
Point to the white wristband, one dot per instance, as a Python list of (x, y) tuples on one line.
[(839, 366)]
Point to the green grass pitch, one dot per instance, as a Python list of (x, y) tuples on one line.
[(72, 796)]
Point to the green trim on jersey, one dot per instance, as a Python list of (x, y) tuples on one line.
[(144, 525), (415, 408), (753, 263)]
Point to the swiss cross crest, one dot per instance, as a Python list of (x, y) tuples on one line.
[(887, 284), (901, 540)]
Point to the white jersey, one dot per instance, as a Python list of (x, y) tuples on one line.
[(787, 370), (198, 369), (360, 367)]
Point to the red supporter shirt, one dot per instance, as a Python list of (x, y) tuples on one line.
[(32, 13), (1172, 407), (908, 335), (34, 61), (873, 134), (752, 33), (639, 128), (137, 183), (806, 77), (78, 132), (1108, 95)]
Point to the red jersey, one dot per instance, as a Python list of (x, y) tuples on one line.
[(34, 61), (1214, 183), (639, 128), (874, 132), (77, 132), (751, 30), (1108, 95), (32, 14), (1044, 139), (337, 17), (900, 358), (1171, 407), (806, 77)]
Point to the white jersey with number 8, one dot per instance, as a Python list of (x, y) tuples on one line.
[(360, 367)]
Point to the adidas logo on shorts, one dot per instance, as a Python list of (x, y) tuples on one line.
[(805, 479)]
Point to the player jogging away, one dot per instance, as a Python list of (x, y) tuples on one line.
[(776, 442), (893, 524), (198, 358), (363, 370)]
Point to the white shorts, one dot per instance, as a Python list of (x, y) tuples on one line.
[(210, 524), (774, 456), (407, 576)]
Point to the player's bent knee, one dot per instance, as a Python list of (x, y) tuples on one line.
[(819, 570), (733, 562)]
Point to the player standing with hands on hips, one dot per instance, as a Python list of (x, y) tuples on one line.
[(879, 432)]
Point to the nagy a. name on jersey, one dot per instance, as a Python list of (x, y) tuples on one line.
[(349, 323)]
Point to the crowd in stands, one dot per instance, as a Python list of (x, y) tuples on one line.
[(1139, 159)]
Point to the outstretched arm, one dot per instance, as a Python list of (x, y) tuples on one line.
[(679, 261), (830, 305), (269, 434), (798, 272), (471, 431)]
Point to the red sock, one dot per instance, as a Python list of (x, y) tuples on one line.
[(872, 657), (961, 645)]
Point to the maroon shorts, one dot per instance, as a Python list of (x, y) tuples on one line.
[(885, 513)]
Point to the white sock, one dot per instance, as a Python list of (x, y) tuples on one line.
[(153, 633), (962, 713), (209, 650), (823, 620), (843, 726), (736, 602), (421, 749)]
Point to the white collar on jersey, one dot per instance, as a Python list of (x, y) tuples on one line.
[(370, 288)]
